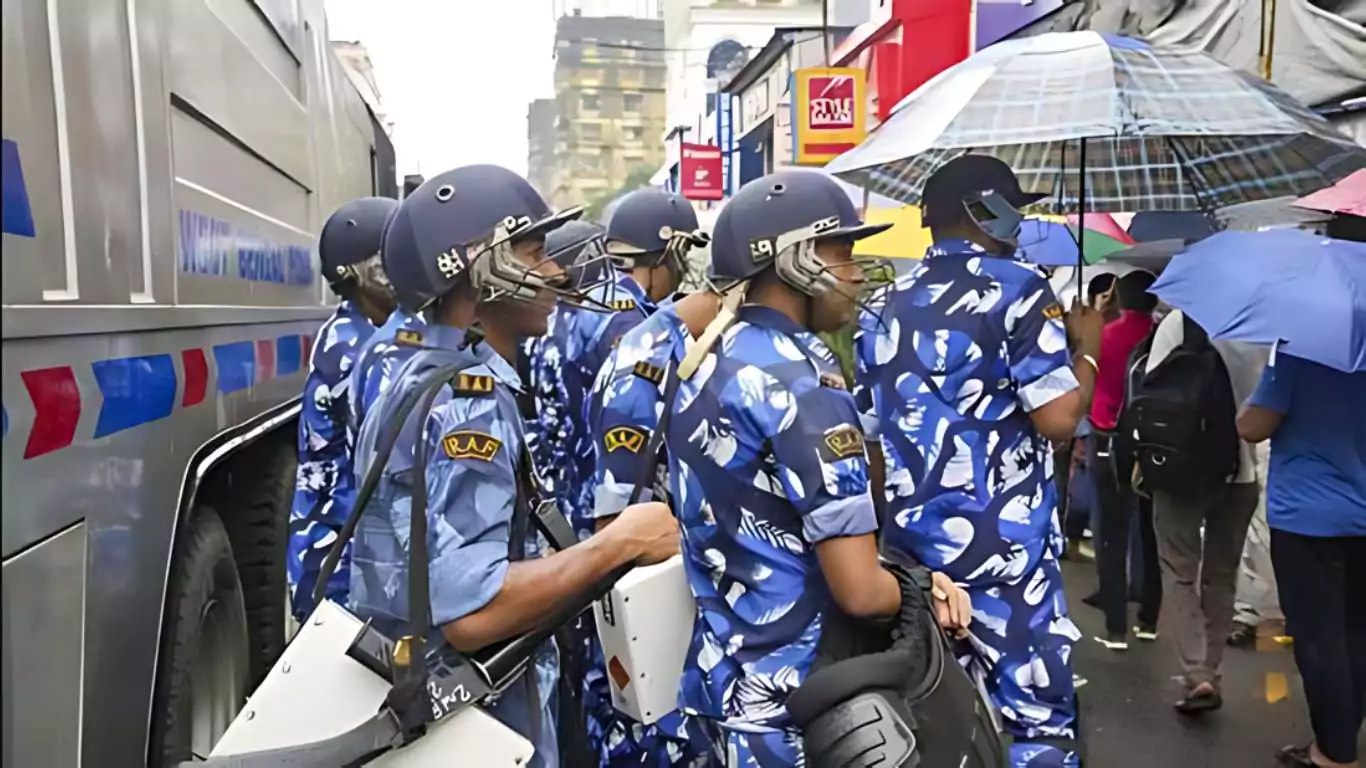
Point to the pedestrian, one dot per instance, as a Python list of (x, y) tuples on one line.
[(1111, 468), (769, 474), (467, 248), (1315, 417), (966, 375), (1076, 520), (349, 249), (1201, 520), (1256, 603)]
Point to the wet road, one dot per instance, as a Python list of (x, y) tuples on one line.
[(1127, 705)]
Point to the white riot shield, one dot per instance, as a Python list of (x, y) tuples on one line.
[(316, 691), (645, 624)]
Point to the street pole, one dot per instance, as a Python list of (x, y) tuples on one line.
[(825, 28)]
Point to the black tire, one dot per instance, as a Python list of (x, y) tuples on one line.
[(203, 585), (255, 504)]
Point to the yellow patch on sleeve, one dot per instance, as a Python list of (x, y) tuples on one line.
[(408, 337), (843, 442), (1053, 311), (629, 438), (471, 444)]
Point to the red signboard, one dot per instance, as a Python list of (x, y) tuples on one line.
[(831, 102), (700, 176)]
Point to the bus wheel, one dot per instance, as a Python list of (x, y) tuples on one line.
[(205, 656)]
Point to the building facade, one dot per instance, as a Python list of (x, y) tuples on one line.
[(636, 9), (609, 106), (540, 143)]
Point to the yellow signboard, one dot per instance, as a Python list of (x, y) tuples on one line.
[(829, 112)]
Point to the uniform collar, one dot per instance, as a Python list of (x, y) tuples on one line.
[(347, 308), (454, 339), (959, 247), (768, 317)]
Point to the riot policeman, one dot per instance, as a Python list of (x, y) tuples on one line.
[(467, 250), (645, 242), (966, 373), (768, 472), (349, 249)]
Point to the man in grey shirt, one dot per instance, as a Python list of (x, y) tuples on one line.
[(1200, 575)]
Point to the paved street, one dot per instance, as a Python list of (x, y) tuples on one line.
[(1127, 710)]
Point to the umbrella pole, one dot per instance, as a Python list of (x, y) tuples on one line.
[(1081, 212)]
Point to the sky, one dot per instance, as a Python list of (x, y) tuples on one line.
[(455, 76)]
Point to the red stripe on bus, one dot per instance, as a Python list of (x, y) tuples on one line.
[(196, 367), (56, 409)]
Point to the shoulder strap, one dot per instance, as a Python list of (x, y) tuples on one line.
[(651, 458)]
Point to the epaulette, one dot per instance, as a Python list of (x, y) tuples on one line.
[(473, 384), (622, 305), (651, 373), (408, 337)]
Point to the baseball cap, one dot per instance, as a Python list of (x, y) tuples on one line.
[(970, 175)]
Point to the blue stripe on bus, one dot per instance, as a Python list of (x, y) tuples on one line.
[(136, 390), (236, 365), (289, 352), (16, 217)]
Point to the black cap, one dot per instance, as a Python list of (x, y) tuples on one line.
[(970, 175)]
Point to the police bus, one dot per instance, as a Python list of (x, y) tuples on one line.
[(166, 167)]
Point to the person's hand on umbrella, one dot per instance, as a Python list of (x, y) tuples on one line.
[(1083, 329)]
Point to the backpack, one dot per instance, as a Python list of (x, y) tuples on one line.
[(1182, 416)]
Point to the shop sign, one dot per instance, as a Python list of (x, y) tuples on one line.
[(700, 172), (829, 113)]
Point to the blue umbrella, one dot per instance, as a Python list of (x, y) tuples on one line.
[(1290, 286)]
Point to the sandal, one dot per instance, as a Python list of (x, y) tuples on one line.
[(1242, 636), (1192, 704), (1295, 757)]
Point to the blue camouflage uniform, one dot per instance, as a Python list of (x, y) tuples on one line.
[(324, 489), (623, 411), (563, 365), (383, 350), (949, 366), (474, 441), (766, 461)]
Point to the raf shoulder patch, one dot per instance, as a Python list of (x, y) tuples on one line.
[(470, 444), (842, 442), (652, 373), (473, 384), (627, 438), (622, 305), (833, 381), (1053, 311), (408, 337)]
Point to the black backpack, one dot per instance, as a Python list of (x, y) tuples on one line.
[(1182, 416)]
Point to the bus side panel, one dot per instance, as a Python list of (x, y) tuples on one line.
[(44, 640), (99, 430)]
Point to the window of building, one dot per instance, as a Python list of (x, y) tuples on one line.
[(632, 132), (590, 131), (589, 50), (632, 102), (590, 102)]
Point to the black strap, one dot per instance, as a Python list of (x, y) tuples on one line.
[(384, 446), (649, 467)]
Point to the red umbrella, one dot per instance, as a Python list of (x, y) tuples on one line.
[(1347, 196)]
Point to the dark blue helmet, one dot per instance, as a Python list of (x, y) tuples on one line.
[(775, 221), (577, 248), (646, 222), (461, 225), (354, 233)]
